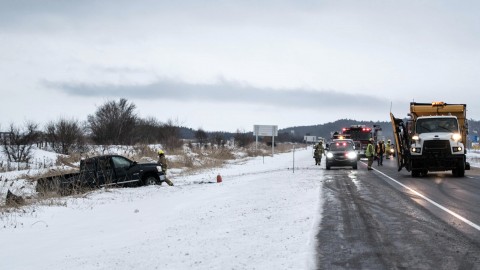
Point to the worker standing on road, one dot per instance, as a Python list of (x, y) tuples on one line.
[(369, 153), (387, 149), (380, 152), (162, 161), (317, 154)]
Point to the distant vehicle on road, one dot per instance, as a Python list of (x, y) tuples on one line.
[(341, 153), (361, 135)]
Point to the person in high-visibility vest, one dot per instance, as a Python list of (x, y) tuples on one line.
[(319, 151), (387, 149), (369, 153), (380, 152)]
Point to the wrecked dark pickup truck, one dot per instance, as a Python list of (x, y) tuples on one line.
[(102, 171)]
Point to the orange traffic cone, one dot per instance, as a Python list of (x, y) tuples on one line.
[(219, 178)]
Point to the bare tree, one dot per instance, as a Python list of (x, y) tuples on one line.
[(113, 123), (201, 137), (242, 138), (170, 135), (17, 142), (148, 131), (65, 136), (218, 138)]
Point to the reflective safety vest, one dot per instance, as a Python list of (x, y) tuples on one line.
[(369, 152)]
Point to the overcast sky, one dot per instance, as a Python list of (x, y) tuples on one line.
[(228, 65)]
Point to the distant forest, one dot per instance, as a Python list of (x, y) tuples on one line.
[(297, 133), (325, 130)]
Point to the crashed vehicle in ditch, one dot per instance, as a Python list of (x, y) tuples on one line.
[(103, 171)]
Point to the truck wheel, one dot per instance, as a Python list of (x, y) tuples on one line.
[(150, 180), (355, 166), (328, 167), (424, 172), (460, 171), (415, 173)]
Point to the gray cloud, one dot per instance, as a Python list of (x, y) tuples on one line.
[(225, 91)]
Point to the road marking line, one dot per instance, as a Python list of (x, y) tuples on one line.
[(475, 226)]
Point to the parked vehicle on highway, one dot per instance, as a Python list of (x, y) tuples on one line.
[(341, 153), (432, 139), (101, 171), (361, 135)]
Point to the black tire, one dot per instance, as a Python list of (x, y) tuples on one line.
[(415, 173), (150, 180), (460, 171), (424, 172), (355, 166), (328, 167)]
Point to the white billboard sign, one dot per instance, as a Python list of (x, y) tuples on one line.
[(265, 130), (310, 138)]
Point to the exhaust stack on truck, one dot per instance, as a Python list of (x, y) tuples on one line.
[(432, 139)]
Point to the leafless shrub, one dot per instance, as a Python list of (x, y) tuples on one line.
[(222, 154), (218, 139), (113, 123), (17, 143), (242, 138), (65, 136), (148, 131), (170, 137), (201, 137)]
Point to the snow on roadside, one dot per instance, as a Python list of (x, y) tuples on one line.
[(473, 156), (260, 217)]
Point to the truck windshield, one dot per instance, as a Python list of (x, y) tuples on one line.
[(437, 125)]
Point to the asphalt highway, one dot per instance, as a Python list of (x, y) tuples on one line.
[(385, 219)]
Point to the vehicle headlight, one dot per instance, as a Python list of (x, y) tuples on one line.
[(457, 148), (352, 155), (392, 150), (159, 168), (456, 137), (329, 155), (415, 137), (416, 149)]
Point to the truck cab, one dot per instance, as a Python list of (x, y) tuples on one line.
[(432, 138), (436, 145)]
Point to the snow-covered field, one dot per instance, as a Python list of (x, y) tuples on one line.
[(260, 217)]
